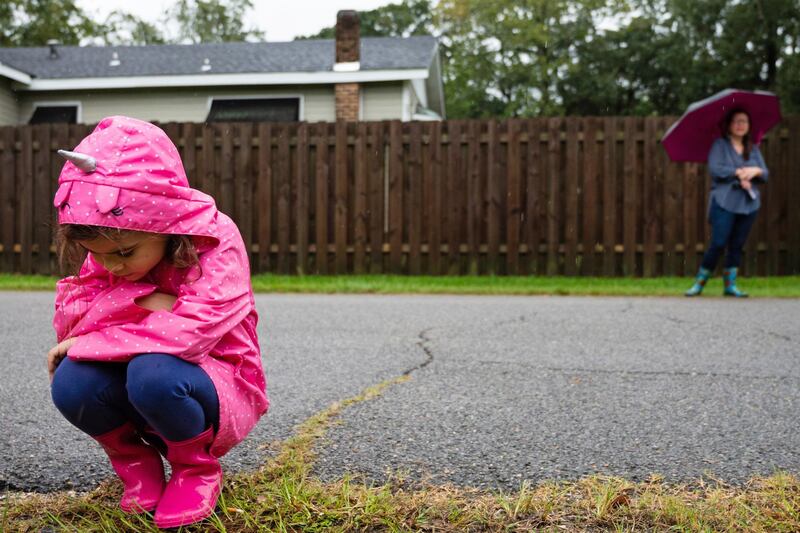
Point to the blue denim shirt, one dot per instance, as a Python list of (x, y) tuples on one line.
[(723, 161)]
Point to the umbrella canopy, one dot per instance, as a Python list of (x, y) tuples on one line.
[(690, 138)]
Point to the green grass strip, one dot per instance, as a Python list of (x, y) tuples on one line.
[(764, 287)]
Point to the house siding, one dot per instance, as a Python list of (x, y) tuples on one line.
[(9, 109), (382, 101), (175, 105)]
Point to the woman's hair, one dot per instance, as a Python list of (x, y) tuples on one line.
[(726, 128), (180, 250)]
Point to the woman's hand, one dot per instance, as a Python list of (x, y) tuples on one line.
[(57, 353), (748, 173), (158, 301)]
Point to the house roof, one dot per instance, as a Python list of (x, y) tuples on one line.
[(303, 56)]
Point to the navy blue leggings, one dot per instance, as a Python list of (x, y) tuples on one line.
[(727, 230), (176, 398)]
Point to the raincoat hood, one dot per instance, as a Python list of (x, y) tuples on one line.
[(138, 183)]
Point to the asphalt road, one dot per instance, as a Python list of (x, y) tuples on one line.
[(503, 389)]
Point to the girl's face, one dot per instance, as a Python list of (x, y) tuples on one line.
[(740, 125), (131, 256)]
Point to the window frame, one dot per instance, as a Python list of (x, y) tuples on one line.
[(273, 96), (58, 103)]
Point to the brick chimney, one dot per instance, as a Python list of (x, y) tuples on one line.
[(348, 56)]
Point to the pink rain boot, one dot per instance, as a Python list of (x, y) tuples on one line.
[(137, 464), (192, 491)]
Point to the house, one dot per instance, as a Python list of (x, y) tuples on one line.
[(348, 78)]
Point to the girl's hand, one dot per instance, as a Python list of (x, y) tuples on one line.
[(158, 301), (57, 353)]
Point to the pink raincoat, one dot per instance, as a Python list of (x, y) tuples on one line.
[(140, 184)]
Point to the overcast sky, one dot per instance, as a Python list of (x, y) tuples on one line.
[(282, 20)]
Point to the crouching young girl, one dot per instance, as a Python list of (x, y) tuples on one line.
[(158, 352)]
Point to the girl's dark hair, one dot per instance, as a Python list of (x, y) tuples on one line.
[(180, 251), (726, 128)]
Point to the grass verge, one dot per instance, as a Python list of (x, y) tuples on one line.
[(285, 496), (772, 287)]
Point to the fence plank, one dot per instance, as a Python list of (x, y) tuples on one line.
[(452, 196), (377, 189), (59, 137), (25, 199), (42, 197), (553, 189), (534, 198), (774, 213), (321, 197), (590, 172), (302, 188), (689, 218), (243, 184), (609, 195), (793, 196), (571, 198), (264, 195), (395, 197), (188, 152), (433, 181), (284, 190), (8, 195), (361, 229), (649, 179), (513, 207), (415, 198), (226, 190), (474, 217), (341, 212), (630, 197), (493, 212), (670, 220)]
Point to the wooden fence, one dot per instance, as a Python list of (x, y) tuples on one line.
[(550, 196)]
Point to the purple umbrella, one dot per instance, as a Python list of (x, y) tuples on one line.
[(690, 138)]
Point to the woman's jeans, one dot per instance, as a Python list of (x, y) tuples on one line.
[(175, 398), (727, 230)]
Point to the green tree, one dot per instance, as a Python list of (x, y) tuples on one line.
[(34, 22), (515, 50), (410, 17), (124, 29), (213, 21)]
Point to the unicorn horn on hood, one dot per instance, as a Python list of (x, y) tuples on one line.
[(84, 162)]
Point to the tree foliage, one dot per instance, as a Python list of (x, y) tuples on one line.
[(513, 57), (412, 17), (213, 21), (34, 22)]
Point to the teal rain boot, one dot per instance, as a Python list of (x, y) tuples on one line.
[(729, 275), (699, 283)]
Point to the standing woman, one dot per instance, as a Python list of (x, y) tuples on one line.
[(735, 166)]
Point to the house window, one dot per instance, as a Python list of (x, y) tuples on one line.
[(56, 113), (255, 110)]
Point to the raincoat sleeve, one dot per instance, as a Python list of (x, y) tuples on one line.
[(205, 310), (755, 157), (720, 165), (75, 294)]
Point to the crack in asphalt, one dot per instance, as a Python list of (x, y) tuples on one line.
[(761, 330), (517, 320), (423, 344), (637, 372)]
